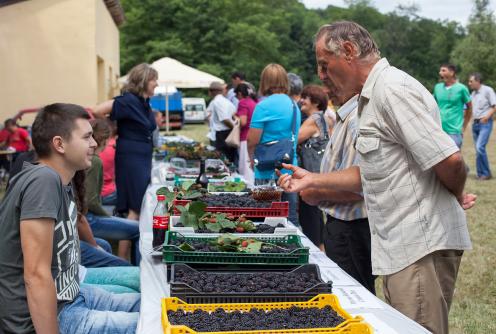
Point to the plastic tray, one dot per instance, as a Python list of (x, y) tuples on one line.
[(351, 325), (277, 209), (273, 221), (191, 295), (173, 254)]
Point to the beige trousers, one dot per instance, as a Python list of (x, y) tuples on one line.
[(423, 291)]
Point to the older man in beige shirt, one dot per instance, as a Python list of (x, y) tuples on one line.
[(411, 173)]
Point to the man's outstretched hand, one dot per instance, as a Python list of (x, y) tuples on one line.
[(299, 180), (467, 201)]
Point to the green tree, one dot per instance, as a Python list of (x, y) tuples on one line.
[(221, 36), (475, 53)]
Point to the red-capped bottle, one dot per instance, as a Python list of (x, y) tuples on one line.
[(160, 221)]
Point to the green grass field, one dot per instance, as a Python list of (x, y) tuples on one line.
[(474, 306)]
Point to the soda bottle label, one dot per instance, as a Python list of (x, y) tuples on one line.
[(161, 222)]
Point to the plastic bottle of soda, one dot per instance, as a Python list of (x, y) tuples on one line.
[(160, 221)]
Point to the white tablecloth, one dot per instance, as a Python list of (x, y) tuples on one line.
[(353, 297)]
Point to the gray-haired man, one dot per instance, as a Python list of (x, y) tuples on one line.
[(484, 107), (411, 172)]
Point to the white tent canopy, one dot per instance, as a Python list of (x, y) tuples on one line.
[(174, 73)]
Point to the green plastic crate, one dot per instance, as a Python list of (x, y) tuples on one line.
[(172, 254)]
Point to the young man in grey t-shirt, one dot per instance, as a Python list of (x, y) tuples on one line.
[(39, 244)]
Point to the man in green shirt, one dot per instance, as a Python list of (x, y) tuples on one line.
[(452, 97)]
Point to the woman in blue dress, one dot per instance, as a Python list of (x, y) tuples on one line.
[(135, 126)]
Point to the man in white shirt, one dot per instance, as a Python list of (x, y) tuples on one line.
[(221, 112)]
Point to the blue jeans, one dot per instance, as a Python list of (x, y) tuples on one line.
[(93, 257), (457, 138), (292, 198), (115, 228), (97, 311), (481, 133), (110, 199)]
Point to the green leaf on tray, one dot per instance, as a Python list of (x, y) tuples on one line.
[(254, 246), (169, 195), (197, 208), (192, 194), (247, 225), (185, 247), (223, 221)]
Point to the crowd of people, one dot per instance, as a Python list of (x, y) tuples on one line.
[(381, 174), (369, 162)]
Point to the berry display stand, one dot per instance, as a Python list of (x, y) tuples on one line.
[(272, 221), (351, 325), (189, 294), (277, 209), (173, 254)]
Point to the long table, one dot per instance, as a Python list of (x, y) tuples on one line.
[(353, 297)]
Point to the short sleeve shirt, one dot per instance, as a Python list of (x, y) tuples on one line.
[(274, 116), (451, 101), (36, 192), (221, 109), (245, 108), (18, 140), (482, 101), (411, 214)]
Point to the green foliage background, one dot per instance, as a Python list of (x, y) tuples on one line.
[(221, 36)]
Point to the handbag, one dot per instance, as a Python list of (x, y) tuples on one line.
[(312, 151), (232, 139), (271, 155)]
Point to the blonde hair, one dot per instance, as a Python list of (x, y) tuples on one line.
[(274, 80), (139, 77)]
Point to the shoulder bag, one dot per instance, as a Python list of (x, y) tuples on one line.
[(270, 155)]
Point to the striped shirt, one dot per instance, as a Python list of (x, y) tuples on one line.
[(340, 154)]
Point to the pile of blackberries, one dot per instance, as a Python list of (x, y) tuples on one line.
[(269, 282), (256, 319), (266, 228), (234, 201)]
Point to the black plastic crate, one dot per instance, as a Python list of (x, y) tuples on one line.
[(191, 295)]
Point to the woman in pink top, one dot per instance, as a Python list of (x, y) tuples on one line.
[(247, 102), (109, 194)]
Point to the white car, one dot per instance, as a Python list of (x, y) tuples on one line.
[(194, 109)]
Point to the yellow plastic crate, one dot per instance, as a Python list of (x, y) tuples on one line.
[(351, 325)]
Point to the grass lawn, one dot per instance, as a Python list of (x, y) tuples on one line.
[(474, 306)]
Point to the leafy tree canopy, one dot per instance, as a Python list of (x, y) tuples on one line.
[(222, 36)]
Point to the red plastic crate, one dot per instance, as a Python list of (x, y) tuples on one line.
[(277, 209)]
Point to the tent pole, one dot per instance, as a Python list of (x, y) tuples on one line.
[(166, 110)]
